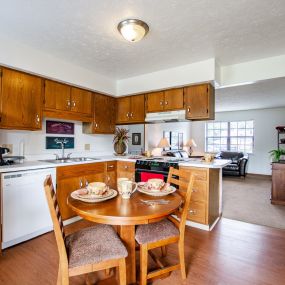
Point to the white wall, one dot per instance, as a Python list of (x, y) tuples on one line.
[(154, 133), (136, 149), (22, 57), (34, 143), (265, 136)]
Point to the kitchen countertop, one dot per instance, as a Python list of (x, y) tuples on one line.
[(30, 165)]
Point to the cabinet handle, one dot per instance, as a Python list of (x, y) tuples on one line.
[(132, 114), (126, 167), (188, 109), (192, 212), (74, 103), (37, 119), (166, 103), (86, 182), (68, 103), (80, 183), (110, 166), (128, 115), (194, 191), (96, 125), (161, 103)]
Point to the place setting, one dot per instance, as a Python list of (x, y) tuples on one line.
[(156, 187)]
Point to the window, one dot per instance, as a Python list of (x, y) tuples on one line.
[(232, 136)]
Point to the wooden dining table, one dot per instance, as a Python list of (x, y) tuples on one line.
[(126, 214)]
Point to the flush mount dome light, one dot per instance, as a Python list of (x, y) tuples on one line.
[(133, 30)]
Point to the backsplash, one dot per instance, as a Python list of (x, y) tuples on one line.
[(34, 143)]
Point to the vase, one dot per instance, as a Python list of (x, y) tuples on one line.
[(120, 148)]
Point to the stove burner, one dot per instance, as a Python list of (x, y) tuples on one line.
[(6, 162)]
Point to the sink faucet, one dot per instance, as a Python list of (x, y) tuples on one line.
[(62, 144)]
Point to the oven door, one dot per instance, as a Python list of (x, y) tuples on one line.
[(140, 172)]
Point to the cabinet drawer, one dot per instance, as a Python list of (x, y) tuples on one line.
[(199, 191), (125, 166), (197, 212), (200, 174), (111, 166)]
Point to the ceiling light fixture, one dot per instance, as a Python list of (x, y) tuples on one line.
[(133, 30)]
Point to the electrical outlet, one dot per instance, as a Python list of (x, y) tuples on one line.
[(10, 146), (87, 146)]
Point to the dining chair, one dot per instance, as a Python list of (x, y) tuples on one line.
[(87, 250), (166, 231)]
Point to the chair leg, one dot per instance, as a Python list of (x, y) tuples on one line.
[(62, 277), (122, 271), (164, 250), (143, 264), (182, 259), (87, 279), (59, 276)]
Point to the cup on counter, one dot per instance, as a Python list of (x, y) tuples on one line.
[(208, 157), (127, 188), (119, 183)]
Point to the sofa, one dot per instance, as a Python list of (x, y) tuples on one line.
[(238, 164)]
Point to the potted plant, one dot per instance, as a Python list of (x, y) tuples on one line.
[(276, 153), (121, 140)]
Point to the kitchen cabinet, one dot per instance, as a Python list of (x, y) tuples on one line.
[(71, 178), (20, 100), (67, 102), (111, 177), (204, 205), (200, 102), (126, 169), (168, 100), (130, 109), (278, 184), (103, 116)]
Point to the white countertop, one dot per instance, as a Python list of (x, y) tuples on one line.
[(30, 165)]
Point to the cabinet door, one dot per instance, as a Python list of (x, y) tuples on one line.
[(197, 102), (81, 101), (173, 99), (64, 188), (21, 100), (111, 177), (112, 113), (101, 113), (57, 96), (126, 169), (123, 109), (137, 109), (155, 102)]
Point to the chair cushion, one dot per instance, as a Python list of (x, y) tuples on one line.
[(156, 231), (93, 245)]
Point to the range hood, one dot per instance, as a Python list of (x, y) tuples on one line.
[(170, 116)]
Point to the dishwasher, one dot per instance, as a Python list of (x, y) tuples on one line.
[(25, 212)]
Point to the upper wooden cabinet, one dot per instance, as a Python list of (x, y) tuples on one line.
[(20, 100), (130, 109), (103, 116), (168, 100), (200, 102), (66, 102)]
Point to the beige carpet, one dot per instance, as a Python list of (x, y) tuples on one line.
[(248, 200)]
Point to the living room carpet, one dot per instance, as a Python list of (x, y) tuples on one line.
[(248, 200)]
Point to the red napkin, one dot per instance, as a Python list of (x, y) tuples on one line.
[(145, 176)]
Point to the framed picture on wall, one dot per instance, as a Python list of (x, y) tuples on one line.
[(136, 138)]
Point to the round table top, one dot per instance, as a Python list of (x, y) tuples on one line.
[(118, 211)]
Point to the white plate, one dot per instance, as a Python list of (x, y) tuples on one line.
[(111, 193), (168, 190)]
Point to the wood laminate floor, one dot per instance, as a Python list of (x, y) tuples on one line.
[(233, 253)]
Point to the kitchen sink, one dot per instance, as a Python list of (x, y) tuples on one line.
[(70, 160)]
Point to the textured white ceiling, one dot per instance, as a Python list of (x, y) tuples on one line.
[(84, 32), (260, 95)]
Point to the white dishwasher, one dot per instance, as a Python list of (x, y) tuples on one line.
[(25, 212)]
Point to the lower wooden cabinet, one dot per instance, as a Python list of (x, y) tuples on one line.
[(71, 178), (204, 205), (111, 177), (126, 169), (278, 184)]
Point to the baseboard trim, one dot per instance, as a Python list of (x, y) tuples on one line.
[(266, 176), (202, 226)]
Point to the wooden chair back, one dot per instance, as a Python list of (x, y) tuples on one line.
[(184, 183), (56, 220)]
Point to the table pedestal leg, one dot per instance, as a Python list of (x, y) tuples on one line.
[(127, 234)]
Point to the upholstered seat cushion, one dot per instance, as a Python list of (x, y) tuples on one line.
[(156, 231), (93, 245)]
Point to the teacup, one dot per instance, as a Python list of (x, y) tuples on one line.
[(155, 184), (119, 182), (208, 157), (97, 188), (127, 188)]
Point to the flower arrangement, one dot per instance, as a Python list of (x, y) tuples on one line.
[(121, 140)]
